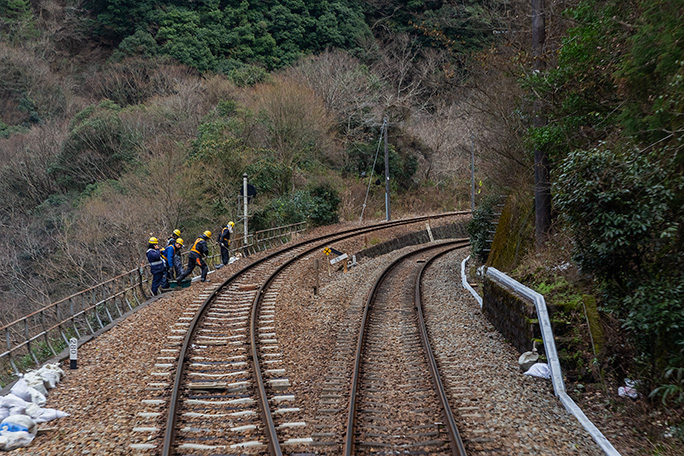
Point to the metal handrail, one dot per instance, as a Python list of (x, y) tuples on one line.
[(549, 349), (36, 335), (44, 333)]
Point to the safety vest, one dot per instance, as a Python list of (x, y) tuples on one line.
[(194, 246)]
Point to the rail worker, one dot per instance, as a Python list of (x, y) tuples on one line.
[(174, 266), (157, 267), (196, 257), (224, 242), (174, 236)]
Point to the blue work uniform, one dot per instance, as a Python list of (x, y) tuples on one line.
[(157, 268), (224, 242)]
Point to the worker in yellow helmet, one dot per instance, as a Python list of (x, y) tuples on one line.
[(174, 266), (198, 251), (224, 242), (157, 266), (174, 236)]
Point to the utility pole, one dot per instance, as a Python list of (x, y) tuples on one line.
[(542, 178), (387, 181), (472, 172), (244, 202)]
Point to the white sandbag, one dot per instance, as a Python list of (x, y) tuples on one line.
[(47, 414), (34, 380), (540, 370), (14, 404), (13, 440), (4, 413), (19, 422), (22, 390), (50, 377), (54, 368), (17, 431)]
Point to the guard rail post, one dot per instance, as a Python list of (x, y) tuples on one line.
[(140, 282)]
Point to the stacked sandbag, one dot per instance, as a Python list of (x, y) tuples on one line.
[(22, 408)]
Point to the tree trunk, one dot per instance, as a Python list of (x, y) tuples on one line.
[(542, 180)]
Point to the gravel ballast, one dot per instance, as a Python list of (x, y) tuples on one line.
[(103, 395)]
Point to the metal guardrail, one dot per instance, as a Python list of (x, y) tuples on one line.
[(45, 333), (549, 349)]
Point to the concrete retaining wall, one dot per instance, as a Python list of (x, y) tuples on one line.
[(513, 316), (452, 231)]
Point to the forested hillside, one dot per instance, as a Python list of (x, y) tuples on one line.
[(121, 119)]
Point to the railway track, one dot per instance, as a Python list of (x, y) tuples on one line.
[(397, 403), (230, 388)]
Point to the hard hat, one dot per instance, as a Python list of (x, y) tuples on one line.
[(179, 241), (176, 232), (153, 240), (207, 233), (231, 223)]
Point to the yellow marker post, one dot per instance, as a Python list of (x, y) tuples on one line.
[(327, 253)]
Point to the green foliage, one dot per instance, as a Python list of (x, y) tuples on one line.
[(318, 205), (117, 19), (211, 35), (479, 227), (655, 316), (622, 206), (140, 43), (615, 135), (16, 20), (241, 74), (674, 391), (651, 73), (186, 39), (8, 130), (269, 175), (99, 147), (580, 88)]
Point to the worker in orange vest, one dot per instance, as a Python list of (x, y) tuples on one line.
[(198, 251)]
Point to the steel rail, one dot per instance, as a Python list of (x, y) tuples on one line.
[(353, 396), (455, 441), (170, 431), (274, 446)]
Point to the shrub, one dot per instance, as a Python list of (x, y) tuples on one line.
[(624, 208), (318, 205), (270, 176), (479, 227), (6, 130), (241, 74), (141, 43), (99, 147)]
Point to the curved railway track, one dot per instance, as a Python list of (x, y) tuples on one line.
[(230, 390), (397, 403)]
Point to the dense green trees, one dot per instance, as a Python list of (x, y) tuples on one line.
[(213, 35), (615, 137)]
